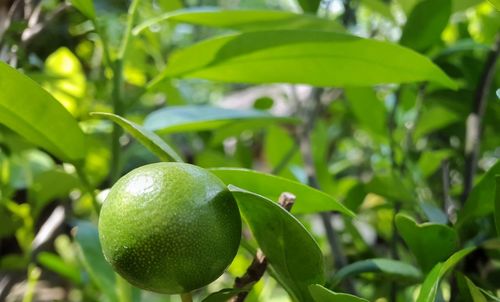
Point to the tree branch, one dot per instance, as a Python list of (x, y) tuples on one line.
[(259, 264), (474, 120)]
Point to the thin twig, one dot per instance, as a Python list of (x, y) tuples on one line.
[(259, 264), (474, 120)]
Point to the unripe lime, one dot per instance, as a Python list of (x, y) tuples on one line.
[(169, 227)]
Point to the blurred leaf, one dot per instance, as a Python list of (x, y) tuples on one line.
[(29, 110), (322, 294), (54, 263), (390, 186), (298, 56), (421, 238), (430, 161), (310, 6), (461, 5), (13, 262), (147, 138), (495, 3), (468, 290), (433, 119), (244, 20), (44, 189), (368, 110), (170, 5), (497, 204), (69, 83), (196, 118), (281, 151), (394, 269), (425, 24), (90, 252), (429, 289), (289, 248), (481, 200), (380, 7), (309, 200), (86, 7), (8, 223)]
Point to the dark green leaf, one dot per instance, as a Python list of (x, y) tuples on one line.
[(196, 118), (394, 269), (292, 252), (54, 263), (421, 238), (32, 112), (310, 6), (244, 20), (90, 252), (425, 24), (481, 200), (368, 110), (429, 289), (433, 119), (309, 200), (223, 295), (322, 294), (468, 290), (147, 138), (390, 186), (299, 56)]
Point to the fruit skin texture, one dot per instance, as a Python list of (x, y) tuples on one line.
[(169, 227)]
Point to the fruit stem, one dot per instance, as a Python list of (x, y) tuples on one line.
[(186, 297)]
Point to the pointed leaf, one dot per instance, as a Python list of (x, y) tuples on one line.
[(86, 7), (430, 287), (394, 269), (309, 200), (310, 6), (322, 294), (421, 238), (32, 112), (291, 251), (425, 24), (497, 204), (299, 56), (196, 118), (244, 20), (149, 139)]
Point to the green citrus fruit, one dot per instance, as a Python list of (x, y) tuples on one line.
[(169, 227)]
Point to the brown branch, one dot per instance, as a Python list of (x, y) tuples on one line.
[(474, 120), (259, 264)]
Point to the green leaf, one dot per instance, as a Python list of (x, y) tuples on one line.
[(322, 294), (379, 7), (86, 7), (90, 253), (299, 56), (390, 186), (497, 204), (468, 290), (310, 6), (223, 295), (54, 263), (170, 5), (394, 269), (421, 238), (430, 161), (368, 110), (147, 138), (291, 251), (481, 200), (32, 112), (495, 3), (433, 119), (308, 199), (196, 118), (244, 20), (430, 287), (425, 24)]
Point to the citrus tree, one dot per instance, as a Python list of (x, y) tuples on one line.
[(250, 150)]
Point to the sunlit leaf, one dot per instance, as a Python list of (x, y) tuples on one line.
[(309, 200), (291, 251), (149, 139), (299, 56), (32, 112), (86, 7)]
